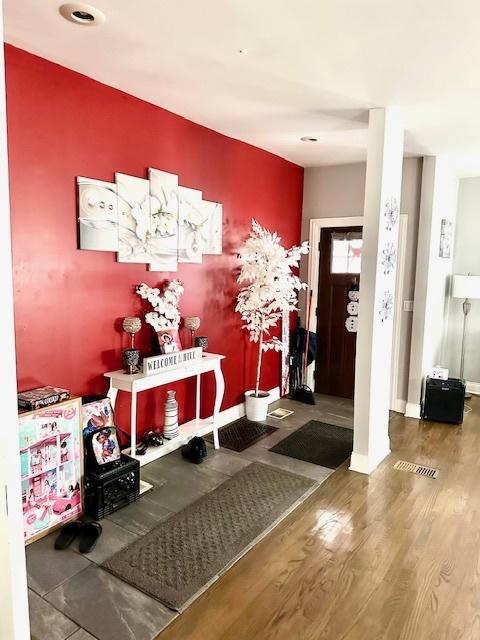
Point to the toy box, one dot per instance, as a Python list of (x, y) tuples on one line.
[(51, 458), (41, 397)]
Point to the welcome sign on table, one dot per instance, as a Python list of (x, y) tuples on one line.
[(168, 361)]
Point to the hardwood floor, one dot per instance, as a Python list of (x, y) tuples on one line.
[(386, 557)]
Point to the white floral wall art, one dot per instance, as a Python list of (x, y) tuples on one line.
[(134, 222), (191, 223), (164, 218), (97, 214), (391, 213), (445, 250), (386, 306), (269, 287), (389, 257)]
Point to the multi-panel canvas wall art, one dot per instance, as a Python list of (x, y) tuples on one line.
[(154, 221)]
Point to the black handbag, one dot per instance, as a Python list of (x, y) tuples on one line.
[(195, 451)]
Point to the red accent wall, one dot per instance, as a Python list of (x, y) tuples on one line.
[(69, 303)]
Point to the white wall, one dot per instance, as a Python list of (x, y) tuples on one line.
[(14, 623), (339, 191), (430, 317), (466, 259)]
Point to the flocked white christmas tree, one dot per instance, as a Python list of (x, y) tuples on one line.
[(270, 287)]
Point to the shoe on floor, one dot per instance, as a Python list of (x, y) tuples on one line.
[(91, 532), (68, 534)]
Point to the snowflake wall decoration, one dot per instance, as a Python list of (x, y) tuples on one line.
[(391, 213), (389, 258), (386, 306)]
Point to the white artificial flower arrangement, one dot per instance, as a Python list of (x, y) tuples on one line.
[(272, 287), (165, 314)]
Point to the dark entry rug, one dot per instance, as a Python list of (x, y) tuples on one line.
[(318, 442), (183, 555), (241, 434)]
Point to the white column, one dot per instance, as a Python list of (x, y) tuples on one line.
[(377, 290), (14, 621), (432, 277)]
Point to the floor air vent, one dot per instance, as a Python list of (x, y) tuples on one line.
[(419, 469)]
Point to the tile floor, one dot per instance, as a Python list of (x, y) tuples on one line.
[(72, 598)]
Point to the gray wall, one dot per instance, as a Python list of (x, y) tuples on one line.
[(339, 191), (466, 259)]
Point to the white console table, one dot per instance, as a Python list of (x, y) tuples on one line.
[(133, 384)]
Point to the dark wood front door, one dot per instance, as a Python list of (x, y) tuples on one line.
[(340, 251)]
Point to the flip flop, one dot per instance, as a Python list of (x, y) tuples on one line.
[(67, 535), (91, 532)]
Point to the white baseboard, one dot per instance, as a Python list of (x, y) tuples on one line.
[(412, 410), (399, 405), (238, 410), (362, 463), (473, 388)]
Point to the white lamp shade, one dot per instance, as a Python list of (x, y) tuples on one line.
[(466, 287)]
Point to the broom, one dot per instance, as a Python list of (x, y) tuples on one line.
[(303, 393)]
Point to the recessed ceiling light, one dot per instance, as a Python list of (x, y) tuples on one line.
[(308, 139), (81, 13)]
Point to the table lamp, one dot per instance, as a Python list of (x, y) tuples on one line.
[(468, 288)]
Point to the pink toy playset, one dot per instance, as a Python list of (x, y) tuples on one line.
[(51, 457)]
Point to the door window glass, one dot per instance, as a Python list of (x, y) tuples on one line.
[(346, 252)]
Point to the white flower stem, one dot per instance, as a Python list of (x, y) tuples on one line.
[(259, 365)]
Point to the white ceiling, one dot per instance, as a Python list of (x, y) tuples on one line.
[(313, 67)]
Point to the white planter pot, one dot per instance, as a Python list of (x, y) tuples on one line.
[(256, 408)]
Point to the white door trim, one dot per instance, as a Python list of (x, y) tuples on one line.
[(14, 620), (316, 226), (397, 404)]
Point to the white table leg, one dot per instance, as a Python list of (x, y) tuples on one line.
[(112, 395), (197, 399), (219, 391), (133, 423)]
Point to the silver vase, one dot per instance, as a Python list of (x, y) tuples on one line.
[(170, 429)]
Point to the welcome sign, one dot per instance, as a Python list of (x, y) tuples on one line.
[(168, 361)]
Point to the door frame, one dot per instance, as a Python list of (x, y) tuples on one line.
[(14, 621), (316, 226)]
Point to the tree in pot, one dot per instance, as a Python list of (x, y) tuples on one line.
[(270, 288)]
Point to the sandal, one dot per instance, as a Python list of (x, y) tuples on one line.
[(91, 532), (67, 535)]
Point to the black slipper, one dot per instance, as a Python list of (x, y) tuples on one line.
[(91, 532), (67, 535)]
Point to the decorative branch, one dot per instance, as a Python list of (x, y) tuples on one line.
[(165, 314), (270, 287)]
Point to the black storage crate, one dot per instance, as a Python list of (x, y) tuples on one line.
[(110, 489)]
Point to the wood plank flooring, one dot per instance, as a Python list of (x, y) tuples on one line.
[(393, 556)]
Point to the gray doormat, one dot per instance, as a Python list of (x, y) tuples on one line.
[(183, 555), (241, 434), (318, 442)]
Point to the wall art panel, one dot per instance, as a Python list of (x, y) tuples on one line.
[(97, 215), (191, 220), (134, 222), (164, 215)]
